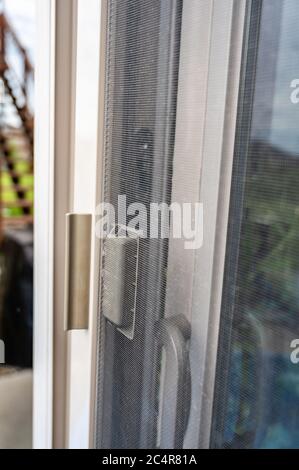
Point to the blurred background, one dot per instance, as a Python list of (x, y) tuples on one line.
[(17, 36)]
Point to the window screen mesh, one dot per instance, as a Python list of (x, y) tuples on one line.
[(142, 58)]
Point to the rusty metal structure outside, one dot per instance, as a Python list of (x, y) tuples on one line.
[(15, 94)]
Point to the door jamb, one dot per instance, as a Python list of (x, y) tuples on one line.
[(54, 125)]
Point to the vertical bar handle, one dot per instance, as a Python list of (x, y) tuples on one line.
[(176, 396), (77, 271)]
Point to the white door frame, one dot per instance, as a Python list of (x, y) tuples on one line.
[(54, 126), (69, 95), (86, 194)]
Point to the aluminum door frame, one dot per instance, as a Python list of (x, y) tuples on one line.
[(205, 137)]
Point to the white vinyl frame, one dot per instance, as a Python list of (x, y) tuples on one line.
[(208, 88), (52, 155), (85, 197), (68, 155)]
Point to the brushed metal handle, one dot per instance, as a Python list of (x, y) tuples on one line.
[(77, 271), (175, 334)]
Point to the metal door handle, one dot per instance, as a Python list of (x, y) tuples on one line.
[(77, 271), (176, 394)]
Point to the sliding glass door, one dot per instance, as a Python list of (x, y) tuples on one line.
[(257, 384)]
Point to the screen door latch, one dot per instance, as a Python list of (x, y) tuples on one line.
[(77, 271), (119, 279)]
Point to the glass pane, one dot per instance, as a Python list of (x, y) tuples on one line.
[(17, 33), (257, 384)]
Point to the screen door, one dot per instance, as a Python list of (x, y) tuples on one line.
[(207, 372)]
